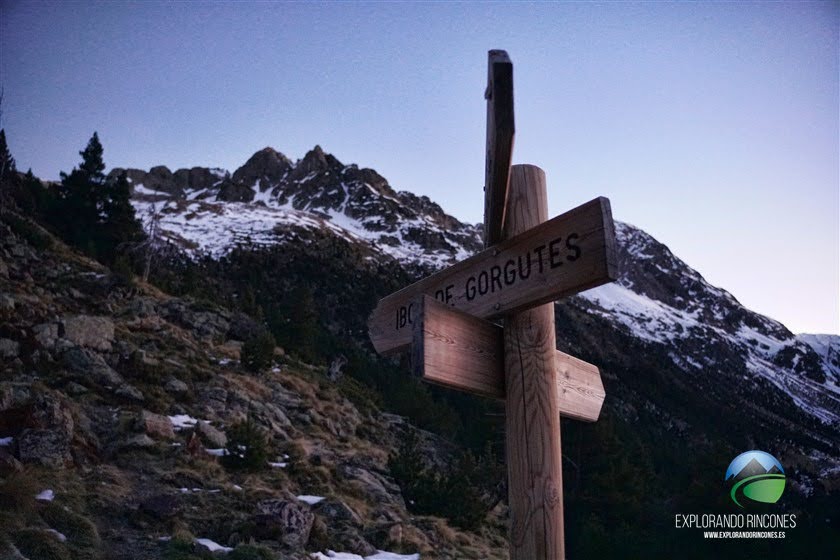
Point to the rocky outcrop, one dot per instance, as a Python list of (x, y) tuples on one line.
[(156, 425), (264, 168), (287, 521), (91, 332)]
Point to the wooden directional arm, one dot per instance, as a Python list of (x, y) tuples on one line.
[(500, 131), (462, 352)]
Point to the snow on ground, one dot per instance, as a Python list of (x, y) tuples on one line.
[(216, 228), (656, 322), (311, 500), (217, 452), (181, 421), (213, 546), (60, 536), (46, 496), (278, 465), (380, 555), (5, 441), (646, 318)]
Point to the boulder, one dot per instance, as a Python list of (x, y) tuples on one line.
[(379, 488), (347, 539), (8, 349), (129, 392), (48, 448), (176, 386), (156, 425), (337, 512), (86, 365), (161, 506), (212, 437), (287, 521), (88, 331), (45, 335)]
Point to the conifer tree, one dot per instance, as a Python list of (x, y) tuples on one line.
[(92, 213), (7, 169), (7, 162)]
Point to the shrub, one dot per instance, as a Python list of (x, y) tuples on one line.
[(251, 552), (79, 530), (40, 544), (247, 448), (28, 230), (258, 352), (17, 493), (463, 495)]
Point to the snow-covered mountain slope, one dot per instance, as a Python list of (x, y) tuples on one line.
[(662, 301), (659, 301), (210, 211)]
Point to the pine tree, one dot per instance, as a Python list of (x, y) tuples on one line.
[(92, 213), (7, 170), (120, 227), (7, 162)]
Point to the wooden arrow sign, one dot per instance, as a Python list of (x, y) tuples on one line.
[(565, 255), (459, 351), (500, 130)]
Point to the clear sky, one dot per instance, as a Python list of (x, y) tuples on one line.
[(714, 127)]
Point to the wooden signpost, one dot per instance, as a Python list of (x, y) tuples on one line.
[(529, 262)]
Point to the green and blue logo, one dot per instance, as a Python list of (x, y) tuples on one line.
[(755, 476)]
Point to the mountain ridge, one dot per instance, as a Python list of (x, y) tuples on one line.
[(658, 297)]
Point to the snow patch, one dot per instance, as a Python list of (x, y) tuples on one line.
[(46, 496), (311, 500), (213, 546)]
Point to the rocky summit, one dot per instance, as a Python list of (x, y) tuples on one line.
[(211, 211), (232, 406)]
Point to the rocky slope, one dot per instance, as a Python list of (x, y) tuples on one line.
[(115, 401)]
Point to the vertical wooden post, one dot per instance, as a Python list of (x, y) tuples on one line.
[(532, 418)]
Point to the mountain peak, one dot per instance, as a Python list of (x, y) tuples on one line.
[(267, 165), (317, 160)]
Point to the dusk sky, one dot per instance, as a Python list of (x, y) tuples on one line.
[(714, 127)]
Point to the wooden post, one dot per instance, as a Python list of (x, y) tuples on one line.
[(535, 482)]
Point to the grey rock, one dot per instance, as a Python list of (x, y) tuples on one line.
[(74, 388), (46, 334), (350, 540), (287, 521), (7, 302), (130, 392), (85, 330), (337, 511), (211, 436), (8, 349), (176, 386), (377, 486), (142, 307), (89, 366), (156, 425), (48, 448), (139, 441), (162, 506)]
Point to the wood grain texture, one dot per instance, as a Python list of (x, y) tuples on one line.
[(500, 132), (462, 352), (532, 419), (563, 256)]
